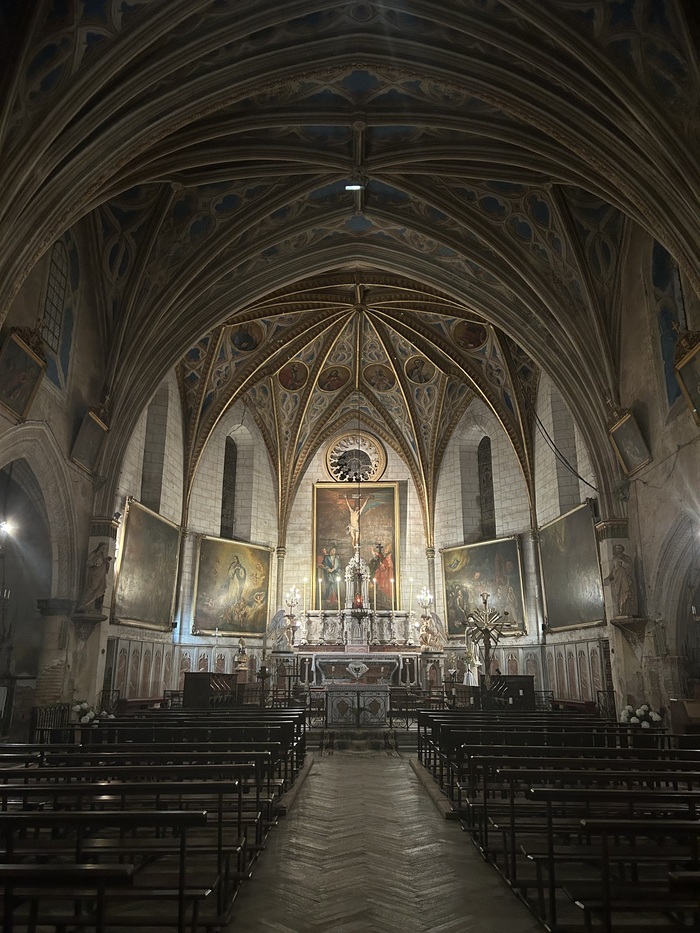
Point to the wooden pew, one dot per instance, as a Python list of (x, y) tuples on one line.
[(604, 899), (282, 733), (236, 774), (471, 758), (222, 839), (613, 804), (80, 824), (34, 883)]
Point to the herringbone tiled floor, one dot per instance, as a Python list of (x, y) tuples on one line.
[(365, 850)]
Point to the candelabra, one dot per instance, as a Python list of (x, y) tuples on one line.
[(484, 625), (292, 601), (427, 635)]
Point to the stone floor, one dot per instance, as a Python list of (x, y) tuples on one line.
[(364, 849)]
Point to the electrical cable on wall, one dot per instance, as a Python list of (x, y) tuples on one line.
[(553, 447)]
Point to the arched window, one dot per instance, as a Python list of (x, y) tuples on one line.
[(228, 489), (55, 298), (487, 503)]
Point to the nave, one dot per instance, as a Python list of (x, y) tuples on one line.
[(365, 850)]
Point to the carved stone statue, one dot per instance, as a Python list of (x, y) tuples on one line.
[(622, 584), (96, 571)]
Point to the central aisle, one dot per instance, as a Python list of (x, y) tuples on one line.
[(365, 850)]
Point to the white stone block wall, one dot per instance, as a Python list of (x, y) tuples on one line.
[(564, 437), (546, 490), (132, 465), (172, 491), (457, 508), (255, 504), (585, 469), (557, 489), (154, 449)]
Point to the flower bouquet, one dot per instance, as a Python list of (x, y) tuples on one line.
[(83, 712), (85, 715), (644, 717)]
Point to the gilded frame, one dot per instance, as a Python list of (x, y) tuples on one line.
[(88, 444), (493, 567), (147, 566), (21, 372), (232, 587), (629, 444), (378, 523), (572, 580), (687, 371)]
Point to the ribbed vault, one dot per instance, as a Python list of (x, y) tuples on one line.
[(502, 150)]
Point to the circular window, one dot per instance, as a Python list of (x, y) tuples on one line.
[(355, 458)]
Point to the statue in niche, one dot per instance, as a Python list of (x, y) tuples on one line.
[(622, 583)]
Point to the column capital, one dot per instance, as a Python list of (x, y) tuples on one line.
[(612, 528), (280, 552), (430, 553)]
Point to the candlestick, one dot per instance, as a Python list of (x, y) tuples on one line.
[(304, 594), (319, 594), (337, 580), (392, 594), (410, 594), (374, 582)]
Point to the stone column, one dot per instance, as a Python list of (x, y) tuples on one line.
[(532, 585), (90, 638), (54, 678), (430, 556), (281, 553), (627, 632)]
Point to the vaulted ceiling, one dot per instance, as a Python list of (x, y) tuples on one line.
[(501, 152)]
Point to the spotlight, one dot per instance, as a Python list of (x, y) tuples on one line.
[(6, 528)]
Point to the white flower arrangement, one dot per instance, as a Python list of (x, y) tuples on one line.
[(83, 712), (86, 715), (644, 717)]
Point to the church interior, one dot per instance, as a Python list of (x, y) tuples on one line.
[(260, 256), (335, 334)]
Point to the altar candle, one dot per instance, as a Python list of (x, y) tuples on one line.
[(319, 594), (410, 594), (374, 583), (337, 580), (304, 594), (392, 594)]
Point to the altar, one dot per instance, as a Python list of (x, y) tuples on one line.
[(357, 705)]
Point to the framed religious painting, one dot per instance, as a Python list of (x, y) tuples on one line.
[(570, 567), (144, 592), (629, 444), (21, 371), (88, 443), (347, 516), (687, 370), (489, 567), (232, 588)]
